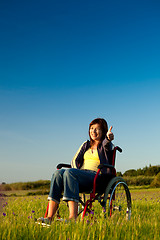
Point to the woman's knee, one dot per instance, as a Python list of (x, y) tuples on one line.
[(70, 173), (58, 174)]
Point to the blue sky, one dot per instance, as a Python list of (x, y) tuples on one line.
[(64, 63)]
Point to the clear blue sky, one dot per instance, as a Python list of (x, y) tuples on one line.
[(64, 63)]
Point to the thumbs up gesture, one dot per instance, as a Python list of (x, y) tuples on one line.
[(110, 135)]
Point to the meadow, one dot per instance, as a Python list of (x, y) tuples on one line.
[(17, 220)]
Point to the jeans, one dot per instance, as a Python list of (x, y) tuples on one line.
[(70, 181)]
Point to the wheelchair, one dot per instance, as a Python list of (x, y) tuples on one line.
[(110, 191)]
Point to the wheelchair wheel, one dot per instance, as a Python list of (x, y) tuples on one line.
[(117, 198)]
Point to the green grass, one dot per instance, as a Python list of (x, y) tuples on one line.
[(18, 213)]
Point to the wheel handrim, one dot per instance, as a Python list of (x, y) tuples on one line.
[(120, 200)]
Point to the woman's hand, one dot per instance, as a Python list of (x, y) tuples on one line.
[(110, 135)]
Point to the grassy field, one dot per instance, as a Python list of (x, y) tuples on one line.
[(17, 218)]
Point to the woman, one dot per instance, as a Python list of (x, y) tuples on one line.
[(84, 167)]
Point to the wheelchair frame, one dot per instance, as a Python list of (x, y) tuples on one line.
[(115, 199)]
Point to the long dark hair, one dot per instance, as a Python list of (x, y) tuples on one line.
[(103, 125)]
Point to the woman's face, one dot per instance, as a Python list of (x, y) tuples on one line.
[(95, 132)]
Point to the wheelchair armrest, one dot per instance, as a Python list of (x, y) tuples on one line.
[(105, 166), (61, 165)]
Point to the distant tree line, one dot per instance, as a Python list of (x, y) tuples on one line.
[(148, 176), (41, 184), (146, 171)]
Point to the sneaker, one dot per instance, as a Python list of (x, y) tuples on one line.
[(60, 219), (63, 220), (45, 222)]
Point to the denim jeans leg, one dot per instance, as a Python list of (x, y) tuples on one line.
[(56, 187), (74, 180)]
